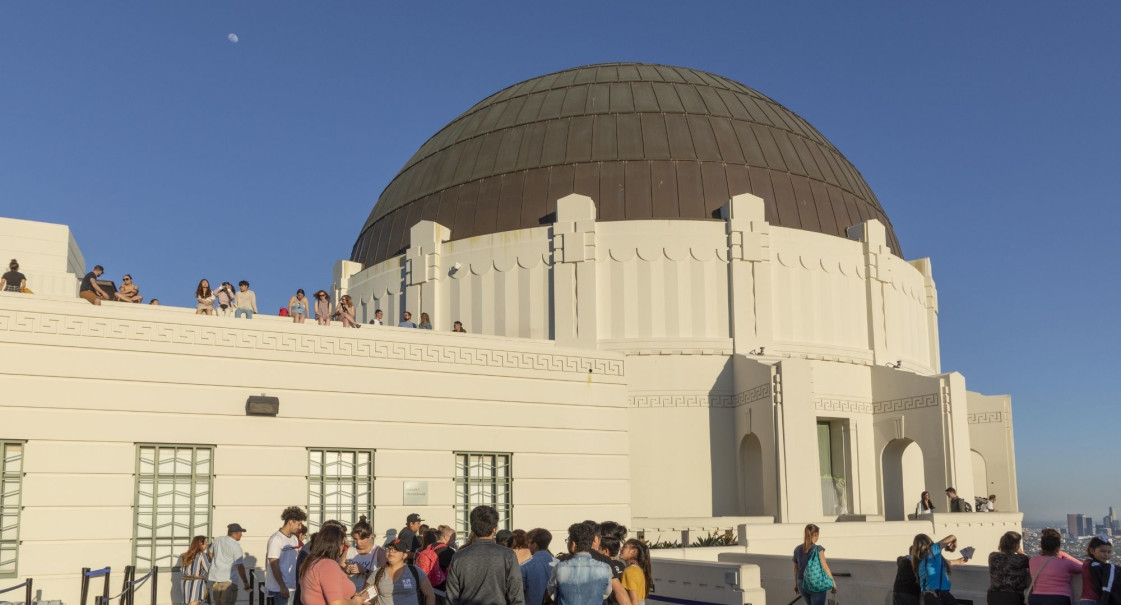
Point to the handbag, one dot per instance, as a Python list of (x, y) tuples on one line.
[(814, 578), (1031, 587)]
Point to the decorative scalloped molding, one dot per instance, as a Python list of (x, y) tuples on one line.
[(268, 340), (984, 417)]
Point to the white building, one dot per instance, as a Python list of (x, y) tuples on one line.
[(687, 311)]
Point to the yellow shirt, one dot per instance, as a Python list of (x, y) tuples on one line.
[(634, 579)]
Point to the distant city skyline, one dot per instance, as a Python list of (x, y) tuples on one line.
[(229, 141)]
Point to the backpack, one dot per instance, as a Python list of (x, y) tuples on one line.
[(438, 574)]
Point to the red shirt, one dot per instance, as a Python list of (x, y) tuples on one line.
[(324, 583)]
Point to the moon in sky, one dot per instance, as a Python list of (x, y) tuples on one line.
[(232, 38)]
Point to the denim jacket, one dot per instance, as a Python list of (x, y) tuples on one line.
[(580, 580)]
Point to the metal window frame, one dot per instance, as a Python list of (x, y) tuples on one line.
[(462, 508), (313, 523), (4, 478), (155, 476)]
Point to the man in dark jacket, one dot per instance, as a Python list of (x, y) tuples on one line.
[(484, 573)]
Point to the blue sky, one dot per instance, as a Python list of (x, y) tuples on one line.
[(989, 132)]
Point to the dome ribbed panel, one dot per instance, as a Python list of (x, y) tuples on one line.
[(643, 141)]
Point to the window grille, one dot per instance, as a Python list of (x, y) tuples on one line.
[(173, 501), (11, 491), (340, 486), (482, 478)]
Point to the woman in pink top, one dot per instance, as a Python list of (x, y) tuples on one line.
[(1051, 572), (322, 579)]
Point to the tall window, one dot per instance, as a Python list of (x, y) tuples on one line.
[(173, 504), (11, 483), (482, 478), (340, 486), (833, 456)]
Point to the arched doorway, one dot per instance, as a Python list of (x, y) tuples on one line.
[(903, 478), (981, 487), (752, 500)]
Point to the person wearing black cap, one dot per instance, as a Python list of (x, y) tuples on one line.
[(226, 554), (408, 536)]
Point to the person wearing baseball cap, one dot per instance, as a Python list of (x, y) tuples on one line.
[(226, 554), (396, 585), (407, 536)]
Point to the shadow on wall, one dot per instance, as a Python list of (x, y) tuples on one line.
[(723, 447)]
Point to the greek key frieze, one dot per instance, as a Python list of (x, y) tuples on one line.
[(279, 341)]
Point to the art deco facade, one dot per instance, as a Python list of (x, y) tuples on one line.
[(687, 309)]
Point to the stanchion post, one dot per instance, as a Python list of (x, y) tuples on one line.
[(155, 582), (105, 591), (125, 585), (27, 598), (85, 585), (252, 584)]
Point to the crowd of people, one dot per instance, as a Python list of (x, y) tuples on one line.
[(923, 574), (424, 565), (227, 301)]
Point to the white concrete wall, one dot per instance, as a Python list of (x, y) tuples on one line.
[(83, 385), (47, 255)]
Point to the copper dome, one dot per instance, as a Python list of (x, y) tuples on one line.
[(643, 141)]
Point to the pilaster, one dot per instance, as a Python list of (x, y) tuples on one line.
[(574, 272), (423, 271), (873, 236), (749, 273)]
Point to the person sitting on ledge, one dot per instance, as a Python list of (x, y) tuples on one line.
[(13, 280), (129, 291), (90, 290)]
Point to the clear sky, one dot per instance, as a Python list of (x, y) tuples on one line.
[(989, 131)]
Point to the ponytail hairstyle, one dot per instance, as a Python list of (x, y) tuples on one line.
[(14, 266), (362, 529), (920, 548), (808, 537), (642, 560), (198, 544)]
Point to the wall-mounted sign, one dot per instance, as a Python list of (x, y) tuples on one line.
[(416, 493)]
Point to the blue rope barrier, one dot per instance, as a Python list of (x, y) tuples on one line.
[(133, 585), (11, 588), (97, 572)]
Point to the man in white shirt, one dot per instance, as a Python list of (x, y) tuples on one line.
[(225, 554), (281, 553)]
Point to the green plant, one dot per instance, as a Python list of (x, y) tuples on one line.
[(715, 539), (664, 544)]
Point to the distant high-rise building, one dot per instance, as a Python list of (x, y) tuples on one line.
[(1074, 525), (1113, 512), (1087, 525)]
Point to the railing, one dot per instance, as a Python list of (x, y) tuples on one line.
[(26, 585), (87, 574), (258, 589), (129, 585)]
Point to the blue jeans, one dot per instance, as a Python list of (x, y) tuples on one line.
[(246, 312), (815, 598), (279, 600)]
